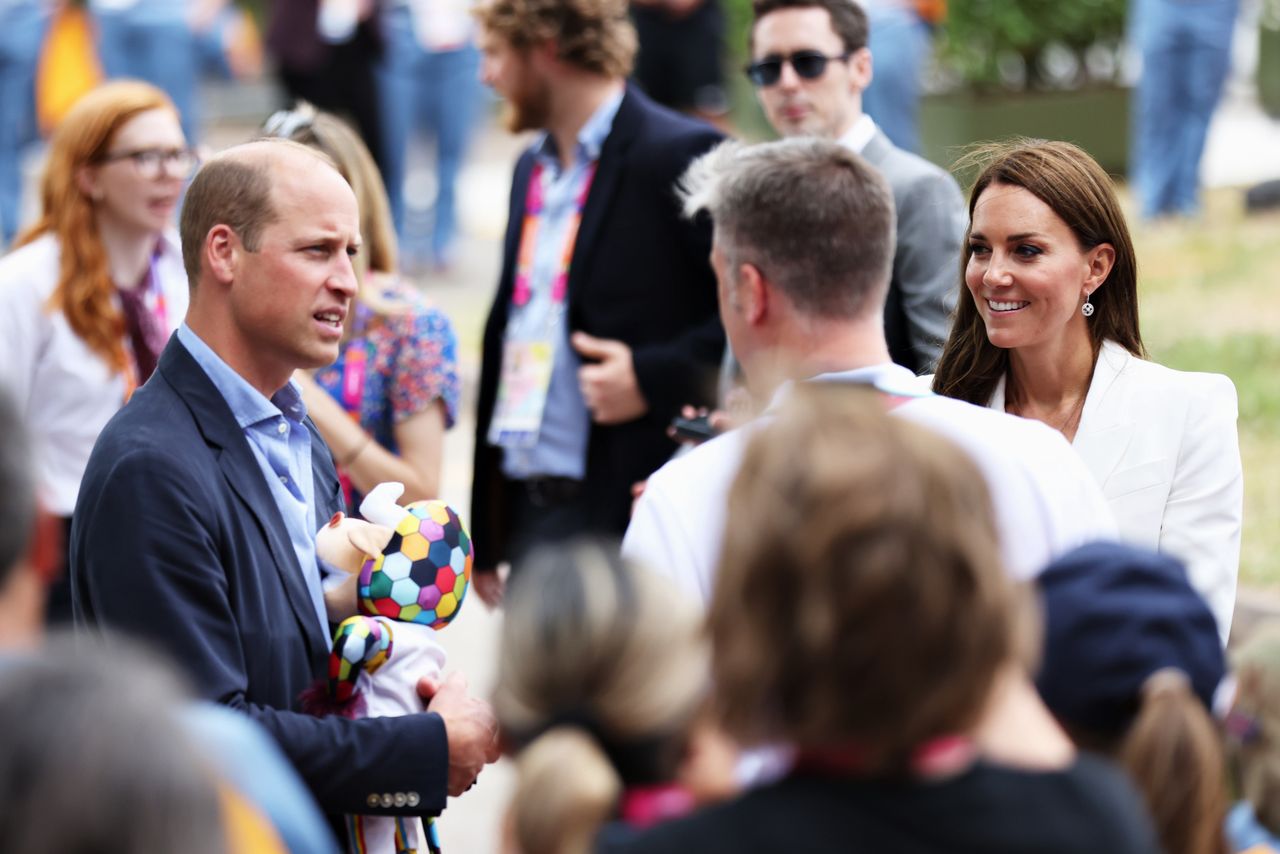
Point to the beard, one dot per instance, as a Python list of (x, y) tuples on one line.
[(528, 106)]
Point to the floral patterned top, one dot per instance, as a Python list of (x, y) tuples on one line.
[(410, 357)]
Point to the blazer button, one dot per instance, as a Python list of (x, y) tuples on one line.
[(400, 799), (387, 800), (373, 800), (413, 800)]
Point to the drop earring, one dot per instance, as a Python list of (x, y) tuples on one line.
[(1087, 308)]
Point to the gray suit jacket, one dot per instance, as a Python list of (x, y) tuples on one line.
[(932, 218)]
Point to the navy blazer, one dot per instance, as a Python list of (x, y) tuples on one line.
[(176, 540), (641, 274)]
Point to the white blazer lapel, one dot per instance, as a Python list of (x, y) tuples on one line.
[(1105, 426)]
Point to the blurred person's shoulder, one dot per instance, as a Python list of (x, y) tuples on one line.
[(1083, 809)]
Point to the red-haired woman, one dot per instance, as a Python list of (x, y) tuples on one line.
[(95, 287)]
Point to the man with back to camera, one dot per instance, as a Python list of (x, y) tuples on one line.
[(798, 305), (810, 65), (605, 317), (194, 526)]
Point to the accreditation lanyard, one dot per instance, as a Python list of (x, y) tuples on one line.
[(355, 367), (527, 362), (154, 304)]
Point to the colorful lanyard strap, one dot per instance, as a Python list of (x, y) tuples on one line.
[(533, 209), (355, 372)]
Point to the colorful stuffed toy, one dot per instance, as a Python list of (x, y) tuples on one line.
[(408, 570)]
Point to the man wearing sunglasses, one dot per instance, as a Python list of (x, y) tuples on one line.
[(810, 65)]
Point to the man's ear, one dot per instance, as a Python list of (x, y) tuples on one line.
[(544, 54), (753, 293), (861, 69), (222, 250)]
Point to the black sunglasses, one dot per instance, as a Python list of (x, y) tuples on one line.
[(808, 64)]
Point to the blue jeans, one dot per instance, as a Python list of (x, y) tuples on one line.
[(1186, 53), (165, 54), (437, 91), (22, 27), (900, 44)]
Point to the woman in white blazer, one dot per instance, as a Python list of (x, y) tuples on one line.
[(1047, 328)]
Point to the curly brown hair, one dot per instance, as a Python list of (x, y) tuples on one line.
[(595, 35)]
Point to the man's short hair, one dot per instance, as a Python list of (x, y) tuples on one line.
[(595, 35), (847, 18), (860, 602), (17, 488), (235, 189), (230, 191), (816, 219)]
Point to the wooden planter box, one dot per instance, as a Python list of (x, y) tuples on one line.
[(1095, 119)]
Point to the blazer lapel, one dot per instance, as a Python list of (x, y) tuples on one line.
[(1104, 433), (877, 149), (626, 124), (244, 477)]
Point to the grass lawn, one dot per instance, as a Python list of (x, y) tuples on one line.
[(1210, 301)]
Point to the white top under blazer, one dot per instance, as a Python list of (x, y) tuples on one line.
[(65, 392), (1163, 446)]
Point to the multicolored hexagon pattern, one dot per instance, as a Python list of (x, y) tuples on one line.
[(425, 571)]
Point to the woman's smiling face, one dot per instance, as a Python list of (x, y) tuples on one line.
[(1026, 270)]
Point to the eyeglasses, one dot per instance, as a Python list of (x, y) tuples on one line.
[(808, 65), (151, 163)]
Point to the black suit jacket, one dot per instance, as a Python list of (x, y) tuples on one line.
[(640, 274), (176, 539)]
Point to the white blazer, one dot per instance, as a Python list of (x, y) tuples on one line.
[(1163, 446)]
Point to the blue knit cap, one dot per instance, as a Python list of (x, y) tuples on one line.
[(1114, 615)]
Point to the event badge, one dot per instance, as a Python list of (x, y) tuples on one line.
[(522, 393), (526, 364)]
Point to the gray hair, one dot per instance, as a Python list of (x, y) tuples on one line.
[(17, 488), (815, 218)]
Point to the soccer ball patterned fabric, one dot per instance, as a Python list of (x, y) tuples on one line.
[(425, 571)]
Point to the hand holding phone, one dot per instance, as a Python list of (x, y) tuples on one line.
[(695, 429)]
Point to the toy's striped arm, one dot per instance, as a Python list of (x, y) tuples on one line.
[(360, 644)]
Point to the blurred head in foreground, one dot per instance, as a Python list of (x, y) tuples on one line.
[(602, 671), (96, 759)]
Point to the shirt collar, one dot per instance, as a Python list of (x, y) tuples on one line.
[(247, 403), (591, 136), (857, 136), (887, 377)]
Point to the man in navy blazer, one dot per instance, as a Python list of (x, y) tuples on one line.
[(600, 267), (194, 524)]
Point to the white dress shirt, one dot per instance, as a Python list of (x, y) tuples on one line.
[(65, 392), (1046, 502)]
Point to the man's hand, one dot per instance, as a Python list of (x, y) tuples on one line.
[(489, 586), (469, 726), (609, 385)]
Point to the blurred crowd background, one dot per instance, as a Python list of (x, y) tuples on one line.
[(948, 75)]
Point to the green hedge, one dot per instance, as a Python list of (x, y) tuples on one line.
[(985, 45)]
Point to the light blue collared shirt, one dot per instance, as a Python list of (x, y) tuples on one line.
[(281, 443), (561, 448)]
